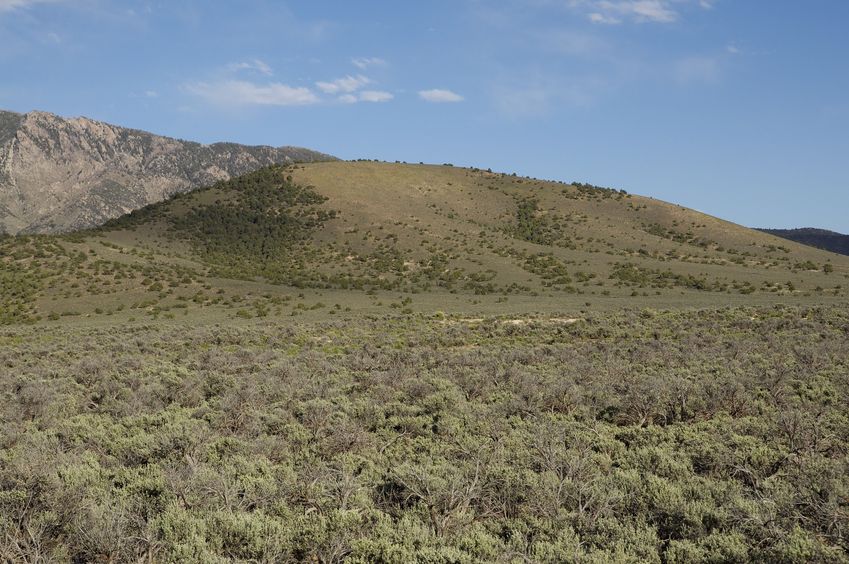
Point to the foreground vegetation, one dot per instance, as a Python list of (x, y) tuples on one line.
[(714, 435)]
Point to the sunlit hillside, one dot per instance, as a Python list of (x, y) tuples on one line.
[(368, 236)]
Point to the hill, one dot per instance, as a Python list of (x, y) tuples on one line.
[(373, 236), (820, 238), (371, 362), (60, 175)]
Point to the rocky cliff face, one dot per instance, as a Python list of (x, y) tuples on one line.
[(60, 174)]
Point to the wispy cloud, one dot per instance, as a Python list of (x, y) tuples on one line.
[(243, 93), (349, 90), (229, 92), (374, 96), (9, 5), (363, 63), (615, 11), (600, 18), (256, 65), (438, 95), (612, 12), (342, 85)]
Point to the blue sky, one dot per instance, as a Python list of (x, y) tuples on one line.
[(739, 108)]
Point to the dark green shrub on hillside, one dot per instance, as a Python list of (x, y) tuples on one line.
[(631, 275), (531, 226)]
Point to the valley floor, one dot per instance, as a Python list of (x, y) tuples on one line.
[(392, 435)]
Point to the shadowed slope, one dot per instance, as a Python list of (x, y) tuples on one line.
[(819, 238)]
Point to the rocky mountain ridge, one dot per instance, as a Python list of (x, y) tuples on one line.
[(59, 175)]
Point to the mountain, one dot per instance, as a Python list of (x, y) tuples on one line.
[(380, 237), (820, 238), (59, 174)]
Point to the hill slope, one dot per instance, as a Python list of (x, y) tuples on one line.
[(820, 238), (63, 174), (372, 236), (370, 362)]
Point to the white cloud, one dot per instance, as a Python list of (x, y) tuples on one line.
[(346, 84), (363, 63), (243, 93), (347, 90), (438, 95), (375, 96), (598, 18), (610, 11), (9, 5), (733, 49), (252, 65), (613, 12)]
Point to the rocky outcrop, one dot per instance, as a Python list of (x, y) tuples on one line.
[(59, 175)]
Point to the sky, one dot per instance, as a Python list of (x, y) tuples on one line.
[(737, 108)]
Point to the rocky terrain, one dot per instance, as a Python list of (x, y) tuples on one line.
[(59, 175)]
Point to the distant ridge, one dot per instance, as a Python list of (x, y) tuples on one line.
[(59, 175), (819, 238)]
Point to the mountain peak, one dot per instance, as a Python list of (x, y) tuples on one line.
[(60, 174), (40, 114)]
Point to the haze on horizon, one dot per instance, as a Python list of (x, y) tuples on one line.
[(737, 109)]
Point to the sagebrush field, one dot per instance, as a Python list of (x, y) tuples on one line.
[(373, 362), (644, 436)]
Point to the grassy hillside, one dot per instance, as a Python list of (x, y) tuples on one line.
[(373, 237), (373, 362)]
